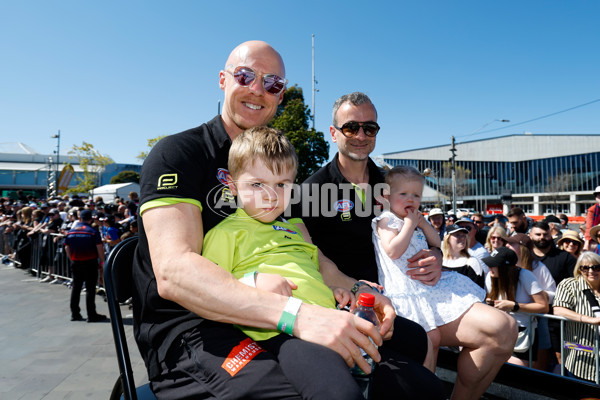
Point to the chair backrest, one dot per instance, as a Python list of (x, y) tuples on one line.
[(118, 283)]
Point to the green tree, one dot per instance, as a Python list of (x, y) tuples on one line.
[(126, 177), (292, 118), (91, 162), (151, 142)]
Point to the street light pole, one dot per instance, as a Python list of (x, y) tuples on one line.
[(56, 173), (453, 150)]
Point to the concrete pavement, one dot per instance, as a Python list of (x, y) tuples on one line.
[(43, 355)]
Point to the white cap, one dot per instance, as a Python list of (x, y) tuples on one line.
[(435, 211), (597, 190)]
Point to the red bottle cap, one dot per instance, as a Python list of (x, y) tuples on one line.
[(366, 300)]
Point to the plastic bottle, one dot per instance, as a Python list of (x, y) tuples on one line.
[(366, 301)]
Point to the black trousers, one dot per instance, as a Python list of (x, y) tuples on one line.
[(84, 271), (201, 364)]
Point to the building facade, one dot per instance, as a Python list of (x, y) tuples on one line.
[(22, 168), (543, 174)]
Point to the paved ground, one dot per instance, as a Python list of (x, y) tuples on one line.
[(43, 355)]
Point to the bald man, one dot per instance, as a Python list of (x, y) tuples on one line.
[(185, 306)]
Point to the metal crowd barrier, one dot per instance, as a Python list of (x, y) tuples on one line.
[(48, 256), (562, 320)]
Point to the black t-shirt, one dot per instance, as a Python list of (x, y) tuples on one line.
[(190, 166), (560, 263), (338, 221)]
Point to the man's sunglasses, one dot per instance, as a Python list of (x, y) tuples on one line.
[(244, 76), (595, 268), (351, 128)]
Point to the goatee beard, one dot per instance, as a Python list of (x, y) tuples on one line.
[(542, 244)]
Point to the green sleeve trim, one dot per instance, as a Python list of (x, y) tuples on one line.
[(167, 201)]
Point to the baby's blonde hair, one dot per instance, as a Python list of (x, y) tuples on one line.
[(269, 145), (406, 172)]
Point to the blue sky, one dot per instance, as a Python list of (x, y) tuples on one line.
[(116, 73)]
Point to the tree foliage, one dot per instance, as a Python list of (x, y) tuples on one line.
[(151, 142), (91, 162), (462, 180), (126, 177), (292, 118)]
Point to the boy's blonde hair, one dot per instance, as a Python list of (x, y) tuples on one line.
[(405, 172), (269, 145)]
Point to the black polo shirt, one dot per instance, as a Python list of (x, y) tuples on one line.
[(189, 167), (339, 218)]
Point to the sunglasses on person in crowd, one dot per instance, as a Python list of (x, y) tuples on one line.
[(477, 221), (351, 128), (244, 76), (496, 238), (569, 241), (595, 268)]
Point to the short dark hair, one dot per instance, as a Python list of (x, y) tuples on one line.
[(541, 225), (479, 215), (515, 212)]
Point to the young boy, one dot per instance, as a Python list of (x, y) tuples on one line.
[(261, 248)]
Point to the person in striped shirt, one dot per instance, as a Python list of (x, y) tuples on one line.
[(574, 300)]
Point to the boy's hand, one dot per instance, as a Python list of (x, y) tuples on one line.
[(275, 283), (343, 296)]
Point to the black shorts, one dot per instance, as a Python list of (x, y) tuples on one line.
[(217, 360)]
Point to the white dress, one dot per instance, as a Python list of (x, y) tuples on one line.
[(429, 306)]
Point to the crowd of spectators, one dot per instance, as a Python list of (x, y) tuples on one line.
[(556, 264), (32, 230)]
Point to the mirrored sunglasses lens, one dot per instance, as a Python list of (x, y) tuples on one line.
[(244, 76), (273, 84)]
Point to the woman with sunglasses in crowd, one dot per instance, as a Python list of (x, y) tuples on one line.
[(522, 245), (514, 289), (495, 238), (571, 243), (574, 300), (456, 256)]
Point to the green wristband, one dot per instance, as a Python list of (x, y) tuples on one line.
[(288, 317)]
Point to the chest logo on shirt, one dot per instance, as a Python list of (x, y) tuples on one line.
[(167, 181), (222, 174), (281, 228), (344, 206), (226, 194)]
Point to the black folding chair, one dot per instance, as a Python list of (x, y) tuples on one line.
[(118, 283)]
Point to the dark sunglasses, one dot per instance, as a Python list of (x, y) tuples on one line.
[(595, 268), (475, 221), (351, 128), (570, 241), (244, 76)]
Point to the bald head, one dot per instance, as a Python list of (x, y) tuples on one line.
[(248, 105), (242, 54)]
